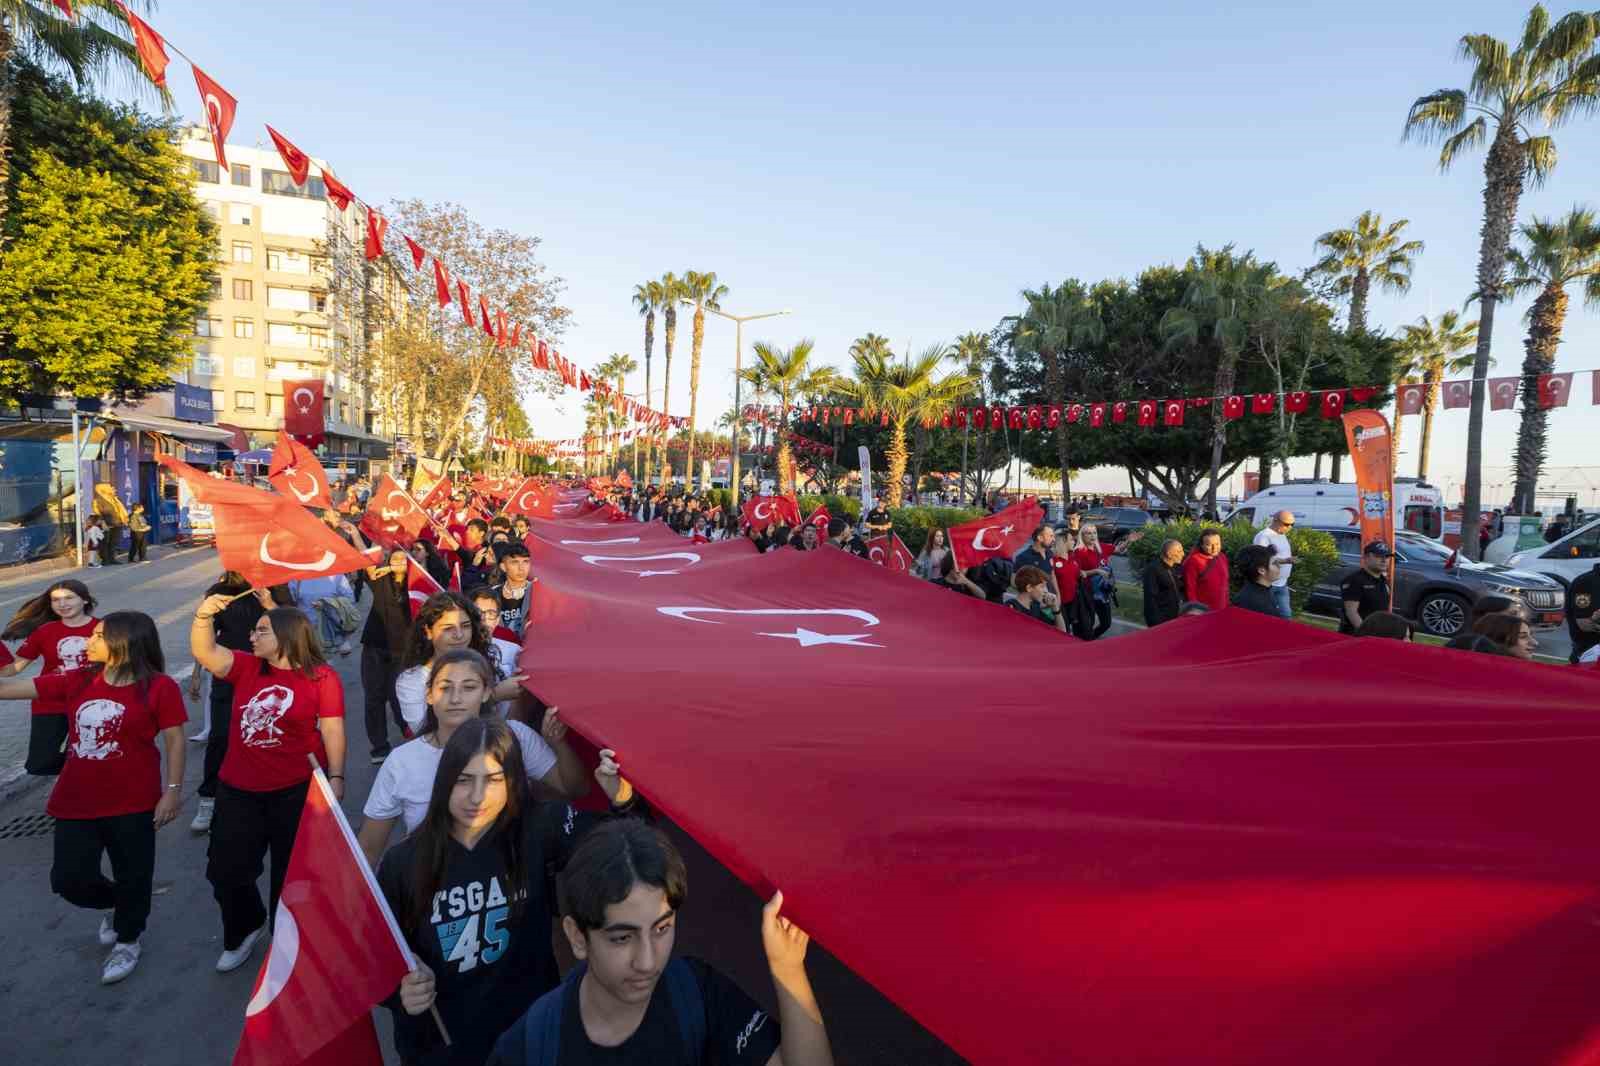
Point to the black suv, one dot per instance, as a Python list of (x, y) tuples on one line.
[(1115, 523)]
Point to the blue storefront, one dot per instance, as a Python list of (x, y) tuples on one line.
[(136, 435)]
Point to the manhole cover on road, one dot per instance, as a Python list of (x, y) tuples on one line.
[(29, 825)]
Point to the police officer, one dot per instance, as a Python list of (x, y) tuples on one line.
[(1366, 590), (1583, 611)]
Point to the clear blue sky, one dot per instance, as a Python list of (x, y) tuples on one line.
[(906, 170)]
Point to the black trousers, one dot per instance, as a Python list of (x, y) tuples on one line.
[(378, 670), (75, 876), (108, 545), (245, 827), (1102, 619), (47, 740), (136, 549), (217, 740)]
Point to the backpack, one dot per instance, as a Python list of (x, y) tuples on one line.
[(535, 1038), (344, 610)]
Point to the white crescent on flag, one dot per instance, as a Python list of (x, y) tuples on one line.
[(876, 554), (596, 560), (758, 516), (305, 405), (1174, 410), (289, 473), (614, 540), (281, 958), (977, 541), (327, 560), (806, 638)]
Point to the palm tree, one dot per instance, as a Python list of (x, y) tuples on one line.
[(1056, 321), (1223, 294), (1558, 253), (788, 374), (647, 299), (973, 354), (871, 344), (1430, 350), (615, 369), (704, 291), (1365, 253), (1550, 75), (671, 290), (904, 391)]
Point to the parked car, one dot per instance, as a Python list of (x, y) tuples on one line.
[(1563, 559), (1436, 588), (1115, 523)]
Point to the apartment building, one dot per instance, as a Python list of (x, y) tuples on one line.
[(287, 306)]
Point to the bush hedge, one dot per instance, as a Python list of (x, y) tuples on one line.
[(1314, 551), (912, 524)]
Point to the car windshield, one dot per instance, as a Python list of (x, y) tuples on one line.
[(1419, 548)]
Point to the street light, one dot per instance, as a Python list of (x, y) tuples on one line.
[(738, 416)]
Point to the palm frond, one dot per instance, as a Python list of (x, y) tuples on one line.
[(1435, 115), (1494, 69), (1565, 43), (1541, 157), (1471, 136)]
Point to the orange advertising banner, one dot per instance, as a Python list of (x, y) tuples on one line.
[(1367, 433)]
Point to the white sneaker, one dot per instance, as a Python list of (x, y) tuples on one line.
[(202, 816), (229, 961), (108, 935), (201, 737), (120, 963)]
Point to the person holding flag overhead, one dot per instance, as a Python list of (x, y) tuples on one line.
[(383, 644)]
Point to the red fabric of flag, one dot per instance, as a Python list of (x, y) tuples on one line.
[(1052, 417), (417, 252), (1147, 413), (1408, 399), (393, 515), (891, 553), (1297, 402), (1333, 403), (338, 192), (1362, 394), (1119, 411), (485, 323), (148, 43), (1000, 535), (820, 518), (377, 226), (268, 538), (294, 160), (761, 511), (1172, 413), (1503, 393), (1458, 394), (303, 413), (295, 472), (441, 282), (219, 107), (1097, 415), (1554, 389), (1233, 407), (65, 6), (466, 301), (1263, 403), (1075, 412), (336, 952), (526, 498)]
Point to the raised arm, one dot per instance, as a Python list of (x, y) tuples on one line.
[(203, 639), (805, 1038), (17, 688)]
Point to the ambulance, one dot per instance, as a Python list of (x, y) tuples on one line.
[(1418, 506)]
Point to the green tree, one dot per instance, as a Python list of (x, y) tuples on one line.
[(108, 258), (1556, 253), (704, 291), (1365, 253), (871, 344), (1058, 320), (647, 299), (1431, 350), (1550, 75), (670, 292), (904, 392), (787, 374)]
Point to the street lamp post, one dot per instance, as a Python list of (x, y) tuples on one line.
[(738, 362)]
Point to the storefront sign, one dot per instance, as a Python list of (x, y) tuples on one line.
[(191, 403)]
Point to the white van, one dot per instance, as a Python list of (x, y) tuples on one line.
[(1574, 554), (1418, 506)]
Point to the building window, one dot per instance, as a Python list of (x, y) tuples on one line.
[(244, 401), (286, 335), (319, 302), (243, 288), (216, 288), (319, 337), (239, 214), (244, 328), (241, 174), (219, 400), (279, 183), (208, 327), (209, 366), (286, 299), (244, 252), (344, 411), (212, 208), (244, 366), (289, 262), (206, 170), (274, 403)]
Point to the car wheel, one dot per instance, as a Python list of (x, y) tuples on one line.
[(1443, 614)]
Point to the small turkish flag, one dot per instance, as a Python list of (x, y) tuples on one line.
[(1458, 394), (336, 951), (1119, 411), (1363, 394), (417, 253), (148, 43), (1263, 403), (946, 420), (437, 494), (466, 301), (1408, 398), (1502, 393), (392, 515), (963, 417), (1035, 417), (891, 553), (1333, 403), (485, 323), (1233, 407), (1297, 402), (1075, 412), (997, 418), (303, 414), (296, 472), (441, 282), (541, 355), (980, 418), (1172, 413), (377, 226), (1052, 417), (1554, 389), (1147, 412), (219, 106), (337, 190), (1097, 415), (420, 585), (294, 159), (529, 498), (759, 512), (267, 538), (1000, 535), (820, 518)]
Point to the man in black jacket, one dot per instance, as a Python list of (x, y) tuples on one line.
[(1583, 611), (1163, 585)]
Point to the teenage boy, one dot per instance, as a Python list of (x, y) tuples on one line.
[(628, 1002), (513, 593)]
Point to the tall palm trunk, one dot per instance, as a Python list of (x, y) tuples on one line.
[(897, 462), (1504, 171), (1430, 403), (649, 346), (669, 334), (1227, 363), (1547, 318), (1360, 285), (1053, 382), (697, 337), (961, 494)]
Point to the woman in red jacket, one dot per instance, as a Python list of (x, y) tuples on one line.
[(1094, 567), (1205, 572)]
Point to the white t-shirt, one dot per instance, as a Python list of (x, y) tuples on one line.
[(405, 780), (1281, 550), (1590, 656), (411, 687)]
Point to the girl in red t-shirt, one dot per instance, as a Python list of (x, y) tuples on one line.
[(110, 797), (287, 704), (54, 626), (1094, 565)]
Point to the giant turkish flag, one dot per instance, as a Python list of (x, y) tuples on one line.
[(1232, 840), (296, 472), (1000, 535)]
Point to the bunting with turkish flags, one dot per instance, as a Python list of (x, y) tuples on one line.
[(296, 472), (219, 106), (303, 411), (337, 191), (377, 226), (1097, 415), (267, 538), (1263, 403), (294, 160), (1333, 403), (891, 553), (1458, 394), (151, 48), (1408, 399), (418, 254), (1554, 389), (1297, 403), (1000, 535), (1233, 407), (1147, 413), (1119, 411), (1502, 393)]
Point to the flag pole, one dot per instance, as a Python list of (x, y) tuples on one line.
[(372, 883)]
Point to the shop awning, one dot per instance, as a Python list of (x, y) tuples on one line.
[(171, 427)]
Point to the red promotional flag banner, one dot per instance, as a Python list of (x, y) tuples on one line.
[(338, 192), (377, 226), (268, 538), (1458, 394), (219, 107), (1119, 411), (1172, 413), (302, 414), (1233, 407), (1297, 403), (1263, 403), (1503, 393), (296, 472), (294, 160), (1147, 413), (1000, 535), (336, 952), (1408, 399), (485, 322), (418, 254), (1333, 403), (1554, 389), (148, 43), (891, 553)]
